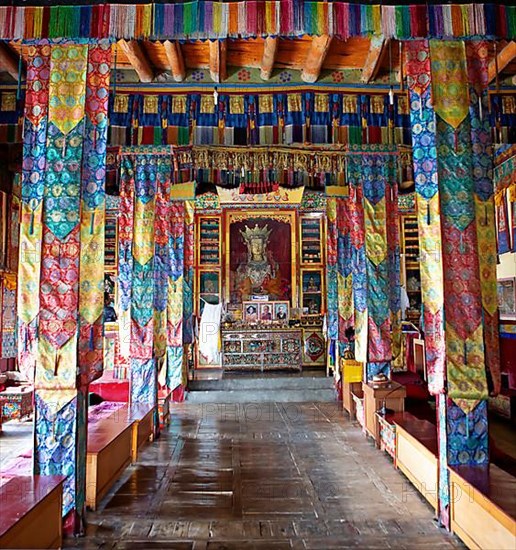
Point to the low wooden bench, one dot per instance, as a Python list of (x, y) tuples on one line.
[(30, 512), (483, 506), (416, 453), (142, 418), (109, 452)]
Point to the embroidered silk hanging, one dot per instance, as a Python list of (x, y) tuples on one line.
[(358, 270), (482, 173), (428, 209), (59, 239), (344, 272), (462, 298), (332, 303), (374, 176), (175, 297)]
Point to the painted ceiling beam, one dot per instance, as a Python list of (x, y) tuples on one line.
[(315, 58), (175, 60), (8, 61), (374, 58), (270, 47), (502, 60), (137, 59), (217, 60)]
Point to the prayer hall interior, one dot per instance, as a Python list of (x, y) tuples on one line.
[(257, 274)]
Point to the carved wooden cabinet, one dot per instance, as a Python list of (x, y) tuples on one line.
[(261, 349)]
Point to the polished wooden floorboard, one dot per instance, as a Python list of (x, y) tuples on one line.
[(266, 476)]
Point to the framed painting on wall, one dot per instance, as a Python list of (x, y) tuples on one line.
[(507, 298), (209, 287), (260, 255)]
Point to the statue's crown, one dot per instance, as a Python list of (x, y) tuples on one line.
[(256, 233)]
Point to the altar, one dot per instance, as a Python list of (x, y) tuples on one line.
[(264, 261)]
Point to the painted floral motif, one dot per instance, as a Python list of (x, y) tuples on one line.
[(244, 75), (285, 76), (198, 76), (337, 76)]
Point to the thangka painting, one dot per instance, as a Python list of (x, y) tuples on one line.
[(260, 256)]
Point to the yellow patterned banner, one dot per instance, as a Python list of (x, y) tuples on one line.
[(429, 227), (487, 253), (29, 270), (91, 294), (449, 80), (143, 242), (67, 88), (375, 230), (465, 359)]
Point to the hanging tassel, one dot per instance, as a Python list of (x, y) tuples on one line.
[(462, 248), (31, 230), (427, 213), (421, 107), (92, 339), (480, 112), (465, 353), (467, 426), (56, 363), (92, 223), (485, 215), (63, 152), (456, 139)]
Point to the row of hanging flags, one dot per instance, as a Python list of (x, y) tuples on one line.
[(156, 261), (363, 260), (258, 118), (219, 20), (505, 200)]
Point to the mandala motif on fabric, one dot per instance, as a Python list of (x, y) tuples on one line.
[(51, 453), (144, 379), (417, 65), (59, 297), (67, 88), (332, 270), (449, 81), (467, 435)]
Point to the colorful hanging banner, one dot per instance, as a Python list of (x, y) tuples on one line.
[(59, 258), (428, 209), (466, 376), (332, 303), (482, 173)]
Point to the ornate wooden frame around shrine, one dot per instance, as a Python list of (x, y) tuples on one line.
[(260, 217)]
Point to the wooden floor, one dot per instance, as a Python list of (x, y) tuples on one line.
[(265, 476)]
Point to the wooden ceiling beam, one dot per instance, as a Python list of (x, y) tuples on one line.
[(175, 60), (315, 58), (217, 60), (501, 61), (8, 61), (374, 59), (137, 59), (270, 47)]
